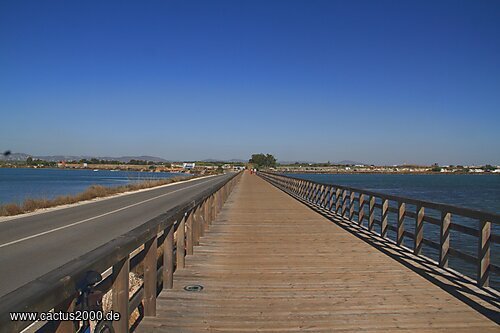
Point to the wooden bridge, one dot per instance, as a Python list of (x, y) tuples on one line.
[(269, 263), (269, 253)]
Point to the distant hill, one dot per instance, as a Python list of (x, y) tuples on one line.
[(14, 157), (56, 158)]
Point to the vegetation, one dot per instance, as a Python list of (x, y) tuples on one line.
[(94, 191), (263, 161)]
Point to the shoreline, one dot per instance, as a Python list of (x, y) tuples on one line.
[(93, 193)]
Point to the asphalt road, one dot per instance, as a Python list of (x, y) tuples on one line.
[(33, 245)]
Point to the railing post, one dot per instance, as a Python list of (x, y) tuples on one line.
[(351, 205), (190, 233), (401, 223), (337, 201), (120, 295), (483, 254), (181, 250), (168, 259), (331, 200), (371, 213), (361, 208), (150, 278), (444, 239), (64, 326), (419, 230), (383, 221), (214, 207), (197, 225), (344, 202), (205, 216)]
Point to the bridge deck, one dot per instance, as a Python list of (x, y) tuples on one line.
[(269, 263)]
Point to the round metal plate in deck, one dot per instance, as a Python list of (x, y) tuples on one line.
[(193, 287)]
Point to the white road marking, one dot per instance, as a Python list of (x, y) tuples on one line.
[(98, 216)]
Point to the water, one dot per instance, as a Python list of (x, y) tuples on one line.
[(480, 192), (16, 185)]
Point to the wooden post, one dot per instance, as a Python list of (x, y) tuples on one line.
[(361, 208), (313, 192), (483, 254), (168, 259), (120, 294), (150, 278), (371, 214), (63, 326), (444, 238), (331, 201), (205, 217), (351, 205), (344, 202), (325, 195), (337, 201), (190, 233), (401, 223), (181, 249), (303, 188), (385, 211), (419, 230), (196, 225)]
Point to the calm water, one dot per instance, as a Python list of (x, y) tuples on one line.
[(481, 192), (19, 184)]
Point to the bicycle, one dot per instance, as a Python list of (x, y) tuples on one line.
[(90, 301)]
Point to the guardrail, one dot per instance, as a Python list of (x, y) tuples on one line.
[(142, 246), (358, 205)]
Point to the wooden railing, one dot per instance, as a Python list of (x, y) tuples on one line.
[(361, 207), (158, 246)]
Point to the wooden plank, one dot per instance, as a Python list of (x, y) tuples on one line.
[(419, 230), (384, 212), (484, 244), (181, 245), (120, 294), (371, 220), (351, 205), (444, 239), (190, 233), (150, 274), (401, 223), (168, 260), (361, 208)]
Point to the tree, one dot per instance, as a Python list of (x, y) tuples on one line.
[(263, 161), (29, 161)]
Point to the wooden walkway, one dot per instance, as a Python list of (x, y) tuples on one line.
[(271, 264)]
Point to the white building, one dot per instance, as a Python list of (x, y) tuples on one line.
[(188, 166)]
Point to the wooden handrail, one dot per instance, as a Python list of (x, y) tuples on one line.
[(340, 200), (59, 286)]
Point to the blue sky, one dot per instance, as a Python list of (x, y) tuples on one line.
[(380, 82)]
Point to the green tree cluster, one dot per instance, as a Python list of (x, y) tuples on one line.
[(263, 160)]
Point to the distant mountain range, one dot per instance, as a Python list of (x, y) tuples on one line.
[(56, 158), (126, 159)]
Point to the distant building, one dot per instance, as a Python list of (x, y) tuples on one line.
[(188, 166)]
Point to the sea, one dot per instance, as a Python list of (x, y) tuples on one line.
[(479, 192), (18, 184)]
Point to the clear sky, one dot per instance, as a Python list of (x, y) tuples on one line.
[(380, 82)]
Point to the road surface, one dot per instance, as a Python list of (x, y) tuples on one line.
[(33, 245)]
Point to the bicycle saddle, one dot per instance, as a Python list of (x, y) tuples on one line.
[(91, 278)]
